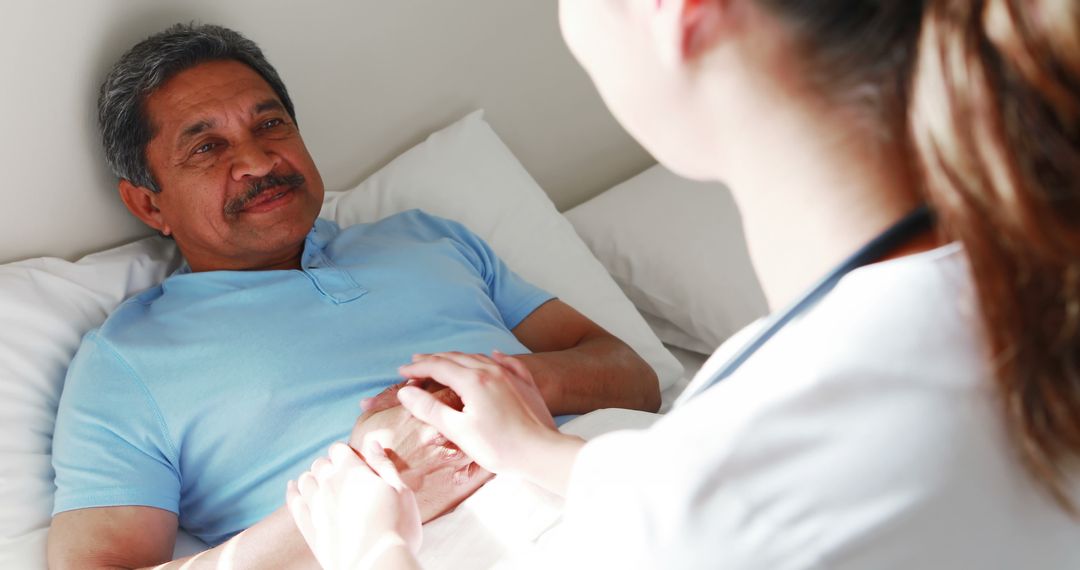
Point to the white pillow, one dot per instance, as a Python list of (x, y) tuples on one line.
[(676, 248), (463, 172), (676, 337), (45, 307)]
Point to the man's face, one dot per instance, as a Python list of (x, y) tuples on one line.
[(238, 187)]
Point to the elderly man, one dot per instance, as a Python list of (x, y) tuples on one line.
[(198, 399)]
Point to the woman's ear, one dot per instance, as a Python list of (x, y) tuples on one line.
[(686, 29), (142, 202)]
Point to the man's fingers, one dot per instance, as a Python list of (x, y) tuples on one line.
[(430, 410), (450, 398), (427, 384), (388, 398), (468, 473), (383, 400)]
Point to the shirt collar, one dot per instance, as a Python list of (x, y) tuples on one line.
[(321, 234)]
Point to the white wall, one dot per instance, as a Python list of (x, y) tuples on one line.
[(369, 78)]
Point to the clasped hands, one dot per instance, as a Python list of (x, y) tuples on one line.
[(461, 417)]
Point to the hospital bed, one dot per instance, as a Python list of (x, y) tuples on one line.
[(387, 96)]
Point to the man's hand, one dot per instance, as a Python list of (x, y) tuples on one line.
[(532, 397), (388, 398), (497, 425), (440, 474)]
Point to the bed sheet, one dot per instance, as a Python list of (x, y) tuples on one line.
[(692, 362), (508, 515)]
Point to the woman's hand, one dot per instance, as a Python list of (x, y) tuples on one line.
[(504, 425), (356, 515), (440, 475)]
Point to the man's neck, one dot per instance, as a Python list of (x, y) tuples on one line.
[(289, 261)]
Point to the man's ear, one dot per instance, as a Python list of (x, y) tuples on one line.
[(142, 202), (687, 28)]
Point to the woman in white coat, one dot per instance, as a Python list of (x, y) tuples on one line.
[(923, 413)]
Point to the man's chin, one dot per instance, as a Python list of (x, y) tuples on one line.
[(275, 230)]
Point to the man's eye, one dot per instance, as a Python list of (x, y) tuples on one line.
[(272, 123), (204, 148)]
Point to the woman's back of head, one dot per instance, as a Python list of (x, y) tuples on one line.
[(985, 94)]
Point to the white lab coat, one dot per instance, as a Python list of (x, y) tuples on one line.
[(865, 435)]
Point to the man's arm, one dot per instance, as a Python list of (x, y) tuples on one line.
[(580, 367), (144, 537)]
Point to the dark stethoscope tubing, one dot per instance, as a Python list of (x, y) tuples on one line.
[(909, 227)]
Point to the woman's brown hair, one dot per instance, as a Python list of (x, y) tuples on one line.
[(986, 95)]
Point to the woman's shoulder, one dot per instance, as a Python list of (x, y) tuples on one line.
[(913, 319), (891, 365), (865, 427), (908, 325)]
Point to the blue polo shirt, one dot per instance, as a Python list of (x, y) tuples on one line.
[(204, 395)]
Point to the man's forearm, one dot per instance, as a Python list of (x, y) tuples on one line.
[(273, 542), (600, 372)]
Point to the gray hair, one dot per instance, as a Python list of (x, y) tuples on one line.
[(125, 126)]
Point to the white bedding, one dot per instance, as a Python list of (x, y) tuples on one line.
[(692, 362), (508, 515)]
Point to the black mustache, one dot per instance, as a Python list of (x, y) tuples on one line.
[(257, 187)]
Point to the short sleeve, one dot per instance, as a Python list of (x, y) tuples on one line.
[(110, 447), (514, 297)]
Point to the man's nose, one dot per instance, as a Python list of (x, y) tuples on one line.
[(251, 158)]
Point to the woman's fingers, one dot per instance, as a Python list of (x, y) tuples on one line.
[(383, 466), (345, 508), (474, 361), (502, 405), (385, 469), (321, 468), (343, 456), (460, 379), (301, 513), (307, 484), (525, 386), (514, 365), (298, 508), (430, 410)]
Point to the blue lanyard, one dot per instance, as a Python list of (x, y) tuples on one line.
[(909, 227)]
